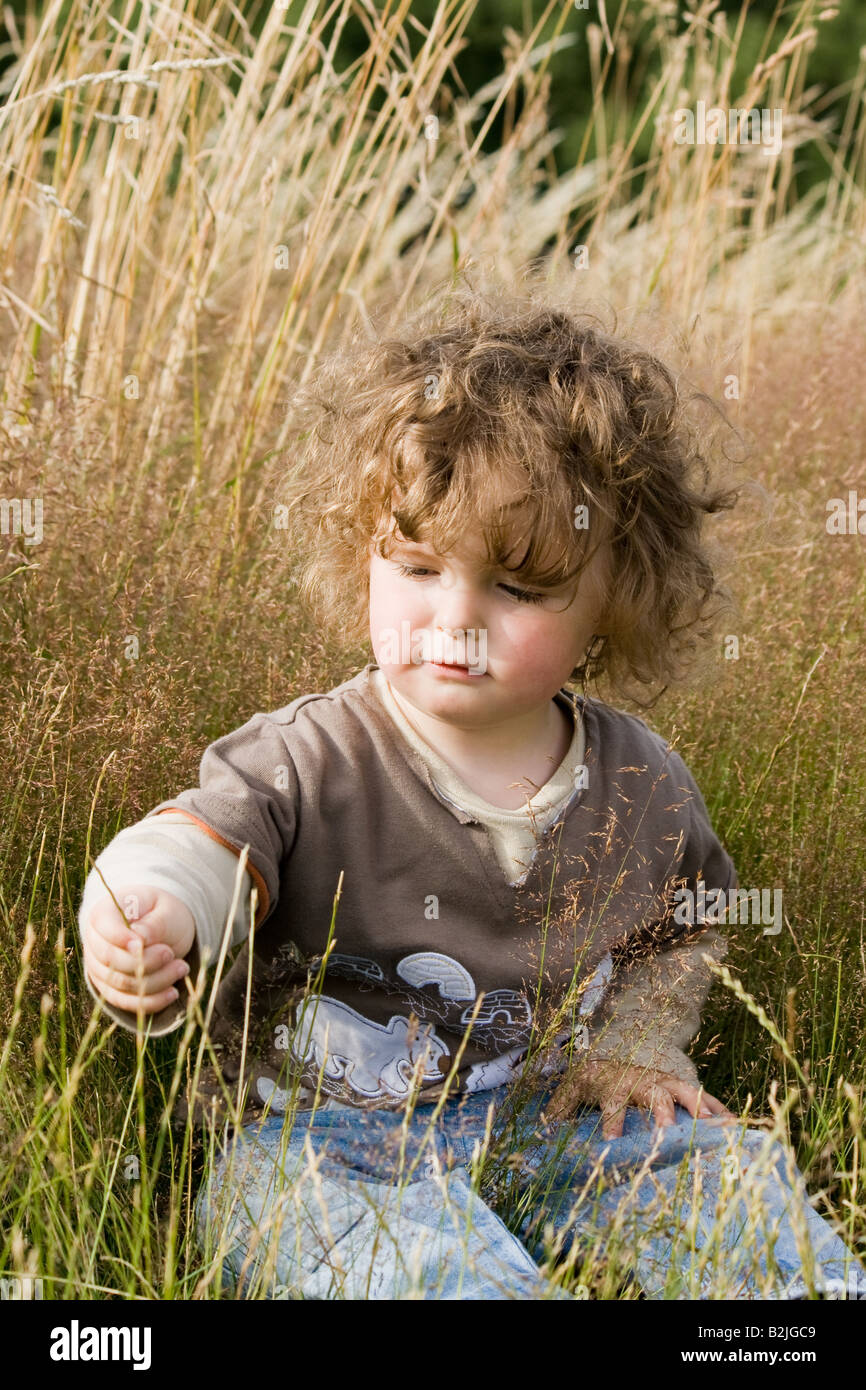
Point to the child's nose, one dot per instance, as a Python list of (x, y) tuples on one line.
[(456, 618), (459, 607)]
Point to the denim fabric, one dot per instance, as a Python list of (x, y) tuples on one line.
[(347, 1203)]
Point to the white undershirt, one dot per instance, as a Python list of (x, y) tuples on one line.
[(511, 830)]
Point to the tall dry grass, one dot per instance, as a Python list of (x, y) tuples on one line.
[(191, 215)]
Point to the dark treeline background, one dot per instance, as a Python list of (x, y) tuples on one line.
[(647, 24)]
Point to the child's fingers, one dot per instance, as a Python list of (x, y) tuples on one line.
[(135, 960), (686, 1095), (718, 1116), (661, 1105), (565, 1098), (140, 1003), (147, 926), (715, 1107), (612, 1117), (656, 1096), (105, 921), (117, 986), (152, 983), (656, 1092), (699, 1102), (143, 918)]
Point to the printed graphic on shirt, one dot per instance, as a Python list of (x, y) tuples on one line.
[(429, 968), (372, 1059), (268, 1090), (483, 1076), (505, 1004), (361, 1060), (355, 968), (439, 989), (596, 987)]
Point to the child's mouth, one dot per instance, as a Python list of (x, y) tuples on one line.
[(453, 669)]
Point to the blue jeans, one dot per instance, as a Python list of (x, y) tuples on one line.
[(347, 1203)]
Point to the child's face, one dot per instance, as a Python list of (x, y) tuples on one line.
[(523, 651)]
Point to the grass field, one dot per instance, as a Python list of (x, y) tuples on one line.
[(191, 216)]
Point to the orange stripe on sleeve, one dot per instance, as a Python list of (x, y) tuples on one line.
[(264, 897)]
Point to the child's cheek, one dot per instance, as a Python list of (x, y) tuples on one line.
[(391, 605), (381, 618), (540, 655)]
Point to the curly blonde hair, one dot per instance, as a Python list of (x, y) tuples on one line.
[(478, 387)]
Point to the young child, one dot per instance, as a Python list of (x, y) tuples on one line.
[(507, 501)]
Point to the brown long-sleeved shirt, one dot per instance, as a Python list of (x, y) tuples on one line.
[(427, 922)]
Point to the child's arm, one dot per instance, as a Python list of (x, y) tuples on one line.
[(235, 805), (178, 883), (636, 1052), (652, 1011)]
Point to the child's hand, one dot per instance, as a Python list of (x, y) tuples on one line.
[(611, 1086), (137, 969)]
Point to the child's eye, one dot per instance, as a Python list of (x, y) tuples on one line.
[(522, 595), (413, 571)]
